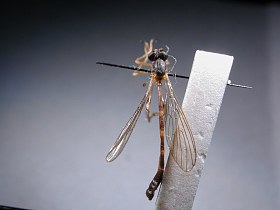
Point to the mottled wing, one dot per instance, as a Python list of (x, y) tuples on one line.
[(178, 132), (122, 139)]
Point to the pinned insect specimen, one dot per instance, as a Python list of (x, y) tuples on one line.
[(173, 124)]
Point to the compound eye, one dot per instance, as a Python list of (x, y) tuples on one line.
[(153, 56), (163, 56)]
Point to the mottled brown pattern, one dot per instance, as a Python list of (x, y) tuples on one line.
[(158, 177)]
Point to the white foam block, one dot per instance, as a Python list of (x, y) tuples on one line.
[(202, 102)]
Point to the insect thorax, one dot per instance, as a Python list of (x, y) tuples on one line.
[(159, 67)]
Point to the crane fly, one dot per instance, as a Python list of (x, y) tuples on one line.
[(173, 124)]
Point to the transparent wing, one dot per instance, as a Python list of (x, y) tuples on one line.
[(178, 132), (122, 139)]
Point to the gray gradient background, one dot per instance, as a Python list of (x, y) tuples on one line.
[(60, 112)]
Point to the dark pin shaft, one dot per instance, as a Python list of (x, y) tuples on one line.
[(138, 69), (169, 74)]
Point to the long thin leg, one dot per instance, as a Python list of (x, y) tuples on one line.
[(158, 177), (143, 60), (149, 114)]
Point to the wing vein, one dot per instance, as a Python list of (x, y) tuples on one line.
[(178, 132), (122, 139)]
